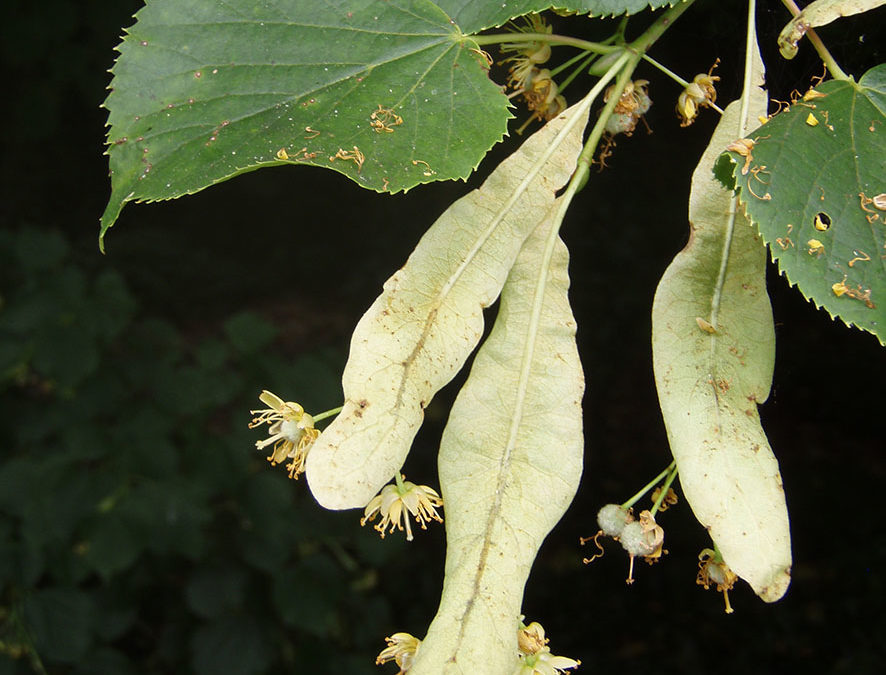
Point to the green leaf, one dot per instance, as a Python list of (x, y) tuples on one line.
[(112, 546), (809, 187), (61, 621), (510, 463), (106, 660), (472, 16), (203, 91), (249, 333), (713, 346), (214, 590), (421, 329), (310, 606), (233, 645)]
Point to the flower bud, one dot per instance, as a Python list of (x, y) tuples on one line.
[(612, 519)]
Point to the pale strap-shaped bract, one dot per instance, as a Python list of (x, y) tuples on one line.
[(819, 13), (418, 333), (510, 462), (713, 354)]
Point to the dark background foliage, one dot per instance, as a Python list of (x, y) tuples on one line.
[(141, 533)]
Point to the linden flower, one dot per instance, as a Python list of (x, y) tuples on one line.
[(528, 54), (713, 570), (401, 649), (542, 96), (535, 655), (633, 103), (291, 432), (531, 639), (396, 502), (545, 663), (700, 93)]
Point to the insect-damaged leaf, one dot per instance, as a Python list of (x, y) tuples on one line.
[(713, 348), (388, 93), (815, 186), (510, 462), (421, 329)]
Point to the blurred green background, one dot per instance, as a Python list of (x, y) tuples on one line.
[(140, 532)]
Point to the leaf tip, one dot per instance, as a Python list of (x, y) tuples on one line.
[(777, 586), (109, 217)]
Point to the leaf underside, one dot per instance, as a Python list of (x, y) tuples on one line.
[(713, 356), (809, 188), (510, 462), (418, 333), (819, 13)]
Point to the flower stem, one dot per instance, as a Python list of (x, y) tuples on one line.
[(576, 71), (676, 78), (328, 413), (670, 73), (664, 488), (563, 66), (651, 484)]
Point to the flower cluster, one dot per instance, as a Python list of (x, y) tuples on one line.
[(527, 55), (700, 93), (526, 78), (643, 537), (535, 655), (396, 502), (542, 97), (291, 432), (633, 103)]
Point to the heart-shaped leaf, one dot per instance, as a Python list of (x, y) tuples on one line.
[(391, 94), (813, 180)]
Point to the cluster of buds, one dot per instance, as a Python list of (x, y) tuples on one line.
[(535, 655), (700, 93), (641, 537), (633, 103), (525, 78)]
